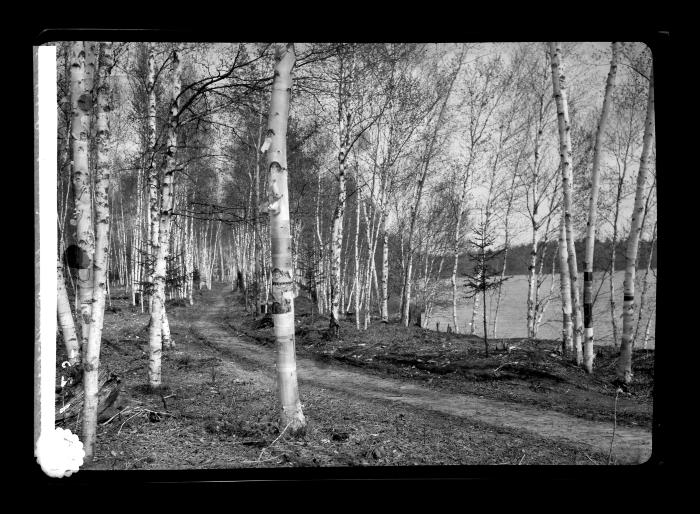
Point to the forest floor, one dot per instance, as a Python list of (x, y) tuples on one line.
[(388, 396)]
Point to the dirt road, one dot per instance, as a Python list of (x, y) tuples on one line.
[(631, 445)]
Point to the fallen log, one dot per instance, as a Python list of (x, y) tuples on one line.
[(69, 401)]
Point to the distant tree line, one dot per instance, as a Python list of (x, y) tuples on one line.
[(518, 256)]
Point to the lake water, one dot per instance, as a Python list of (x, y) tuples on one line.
[(512, 321)]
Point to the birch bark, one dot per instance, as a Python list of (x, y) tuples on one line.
[(65, 318), (81, 103), (256, 226), (560, 96), (593, 214), (91, 355), (136, 238), (156, 336), (455, 250), (344, 118), (356, 271), (385, 269), (153, 186), (291, 415), (565, 290), (624, 363), (645, 285)]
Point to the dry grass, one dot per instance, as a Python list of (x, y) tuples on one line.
[(211, 416)]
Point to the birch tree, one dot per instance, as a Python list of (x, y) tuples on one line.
[(356, 274), (81, 102), (291, 415), (357, 78), (427, 157), (559, 87), (344, 127), (593, 214), (537, 179), (65, 318), (91, 355), (565, 291), (645, 286), (257, 236), (624, 363), (155, 334), (509, 201), (403, 117), (153, 186), (624, 138)]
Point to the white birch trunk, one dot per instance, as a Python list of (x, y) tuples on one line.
[(475, 309), (81, 103), (559, 88), (189, 257), (646, 331), (136, 240), (455, 253), (91, 355), (356, 273), (385, 270), (593, 215), (406, 300), (156, 335), (372, 237), (532, 284), (645, 286), (153, 200), (344, 118), (624, 363), (611, 277), (291, 415), (565, 291), (550, 295), (65, 318), (256, 226), (319, 280)]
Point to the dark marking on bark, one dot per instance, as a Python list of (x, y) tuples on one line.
[(628, 298), (278, 275), (587, 315), (85, 102), (76, 257), (282, 307)]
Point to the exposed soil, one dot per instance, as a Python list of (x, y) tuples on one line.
[(218, 409), (530, 372)]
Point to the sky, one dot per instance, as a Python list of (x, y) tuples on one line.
[(586, 66)]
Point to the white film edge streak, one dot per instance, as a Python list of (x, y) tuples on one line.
[(46, 127)]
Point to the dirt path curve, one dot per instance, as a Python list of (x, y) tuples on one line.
[(631, 445)]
